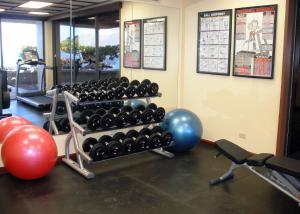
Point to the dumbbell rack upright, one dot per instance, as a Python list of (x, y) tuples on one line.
[(51, 116), (76, 129)]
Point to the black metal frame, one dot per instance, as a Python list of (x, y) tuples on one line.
[(165, 43), (275, 6), (200, 14), (140, 51)]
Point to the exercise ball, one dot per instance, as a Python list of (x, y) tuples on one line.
[(10, 123), (135, 103), (29, 152), (186, 128)]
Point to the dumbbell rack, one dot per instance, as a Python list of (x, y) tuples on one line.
[(51, 116), (76, 129)]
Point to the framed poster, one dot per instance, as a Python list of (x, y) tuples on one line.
[(214, 42), (254, 45), (132, 44), (154, 43)]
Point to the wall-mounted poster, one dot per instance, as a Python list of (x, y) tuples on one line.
[(255, 33), (214, 42), (154, 43), (132, 44)]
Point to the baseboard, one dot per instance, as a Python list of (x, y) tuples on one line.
[(207, 142)]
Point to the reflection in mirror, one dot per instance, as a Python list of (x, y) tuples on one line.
[(63, 52), (84, 50), (109, 45)]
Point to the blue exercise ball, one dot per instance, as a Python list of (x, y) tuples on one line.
[(186, 128), (135, 103)]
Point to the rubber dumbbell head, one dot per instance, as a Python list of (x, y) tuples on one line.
[(96, 150), (64, 125), (128, 143), (155, 140), (92, 120), (167, 137), (141, 142), (114, 147)]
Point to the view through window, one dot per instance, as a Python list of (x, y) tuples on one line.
[(18, 36)]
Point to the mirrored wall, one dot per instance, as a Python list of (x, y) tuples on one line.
[(87, 47)]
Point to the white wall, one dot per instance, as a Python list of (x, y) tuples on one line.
[(167, 80), (232, 106)]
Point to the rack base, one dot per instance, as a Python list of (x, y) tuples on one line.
[(90, 175), (163, 153), (84, 172)]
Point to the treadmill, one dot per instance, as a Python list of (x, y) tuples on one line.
[(31, 84)]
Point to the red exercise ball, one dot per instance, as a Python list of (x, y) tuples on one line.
[(29, 152), (10, 123)]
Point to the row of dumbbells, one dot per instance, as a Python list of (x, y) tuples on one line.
[(116, 116), (121, 117), (94, 91), (131, 142), (61, 108)]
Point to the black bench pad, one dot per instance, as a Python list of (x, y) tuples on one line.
[(232, 151), (284, 165), (259, 159)]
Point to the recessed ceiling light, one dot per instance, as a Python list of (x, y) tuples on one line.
[(38, 13), (35, 4), (91, 18), (1, 10)]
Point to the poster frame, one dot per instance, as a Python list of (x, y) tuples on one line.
[(229, 42), (140, 46), (274, 42), (164, 68)]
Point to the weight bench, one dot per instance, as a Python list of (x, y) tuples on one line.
[(281, 172)]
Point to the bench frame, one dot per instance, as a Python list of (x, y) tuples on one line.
[(287, 184)]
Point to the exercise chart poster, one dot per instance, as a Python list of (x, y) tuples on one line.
[(132, 44), (154, 43), (255, 33), (214, 30)]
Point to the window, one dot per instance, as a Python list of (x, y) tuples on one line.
[(17, 36)]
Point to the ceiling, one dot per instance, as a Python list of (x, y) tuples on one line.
[(58, 7)]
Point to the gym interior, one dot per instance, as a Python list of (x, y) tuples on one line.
[(149, 106)]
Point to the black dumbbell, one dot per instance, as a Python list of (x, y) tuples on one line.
[(141, 141), (146, 114), (133, 116), (155, 139), (141, 88), (92, 120), (100, 95), (124, 80), (91, 96), (121, 117), (152, 87), (64, 125), (158, 113), (81, 96), (167, 137), (128, 143), (114, 148), (107, 119), (46, 126), (118, 90), (96, 150)]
